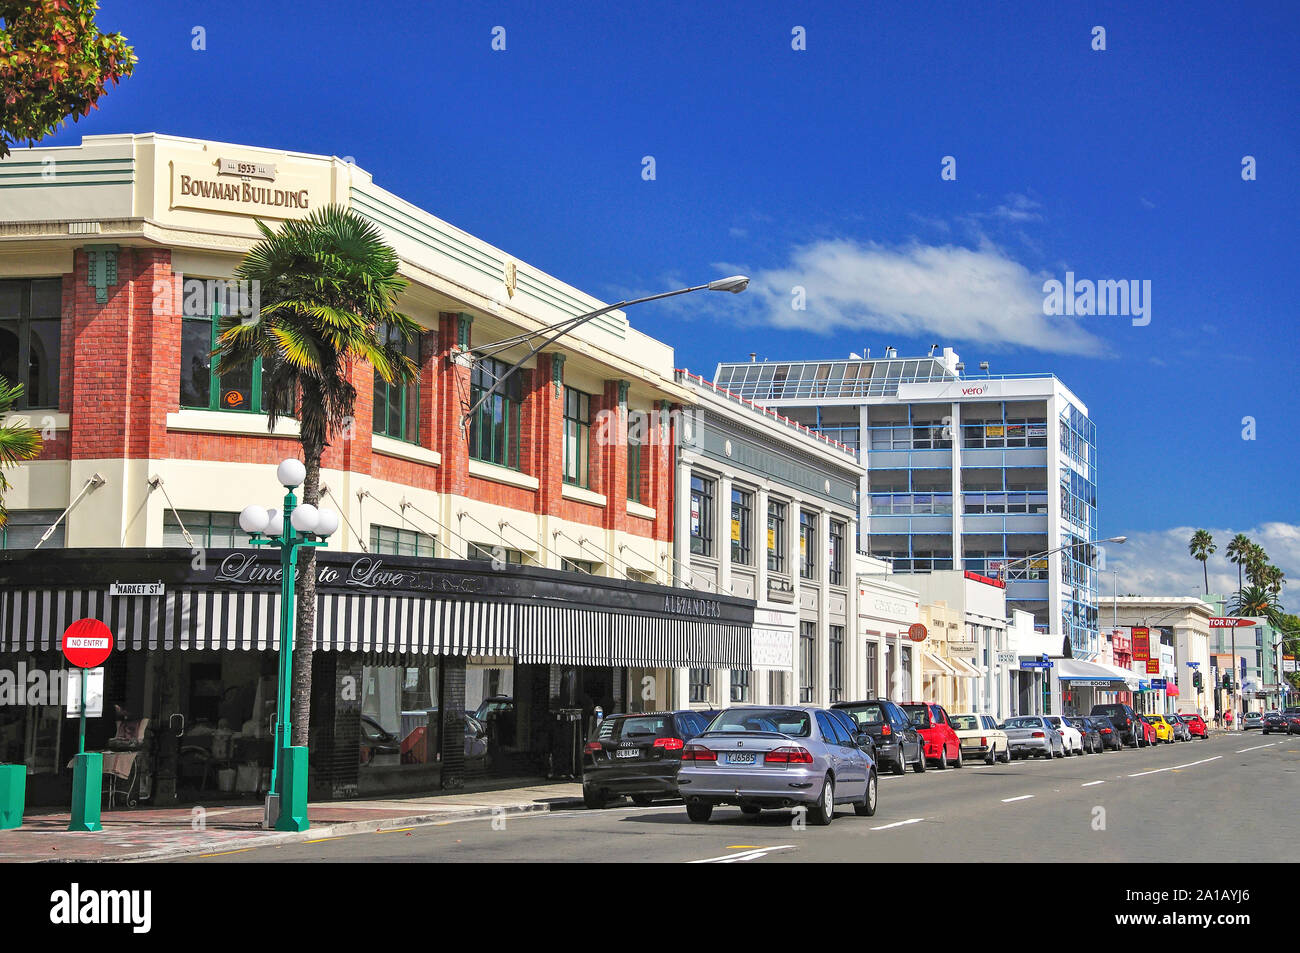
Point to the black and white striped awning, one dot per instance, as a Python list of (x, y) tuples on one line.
[(193, 619)]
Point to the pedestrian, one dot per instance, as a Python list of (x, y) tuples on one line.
[(1228, 719)]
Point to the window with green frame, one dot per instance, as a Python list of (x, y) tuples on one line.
[(30, 311), (397, 405), (636, 435), (494, 427), (219, 530), (201, 387), (24, 528), (577, 437), (391, 541)]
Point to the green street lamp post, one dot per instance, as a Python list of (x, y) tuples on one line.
[(296, 526)]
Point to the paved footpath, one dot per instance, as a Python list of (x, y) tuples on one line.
[(155, 834)]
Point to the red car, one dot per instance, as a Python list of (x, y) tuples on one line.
[(941, 744), (1195, 724), (1149, 737)]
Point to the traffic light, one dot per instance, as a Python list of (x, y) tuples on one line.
[(1227, 680), (1197, 682)]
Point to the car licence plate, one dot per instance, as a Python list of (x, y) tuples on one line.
[(629, 753), (746, 757)]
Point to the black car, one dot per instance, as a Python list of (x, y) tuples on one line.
[(1092, 743), (1110, 738), (864, 740), (1274, 721), (637, 755), (1124, 720), (1292, 722), (896, 740)]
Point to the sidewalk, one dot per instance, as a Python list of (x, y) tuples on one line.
[(151, 834)]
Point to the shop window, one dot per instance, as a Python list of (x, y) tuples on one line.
[(637, 435), (486, 552), (30, 310), (807, 544), (577, 437), (775, 536), (742, 509), (873, 670), (202, 388), (836, 661), (836, 568), (701, 516), (397, 405), (739, 685), (701, 685), (807, 660), (577, 565), (494, 427), (218, 530), (399, 716), (776, 688), (392, 541), (24, 528)]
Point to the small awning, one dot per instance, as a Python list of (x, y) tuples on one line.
[(932, 663), (964, 668), (1171, 690), (1077, 670), (1130, 677)]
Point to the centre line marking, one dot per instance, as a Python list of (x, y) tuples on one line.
[(1257, 747), (1023, 797), (747, 855), (910, 820), (1091, 783), (1190, 764)]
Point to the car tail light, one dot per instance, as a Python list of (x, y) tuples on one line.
[(790, 754), (670, 744), (984, 742), (1038, 734), (698, 753), (885, 730), (1105, 731), (593, 747)]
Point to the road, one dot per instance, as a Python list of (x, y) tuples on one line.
[(1229, 798)]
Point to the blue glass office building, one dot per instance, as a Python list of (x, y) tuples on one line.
[(986, 473)]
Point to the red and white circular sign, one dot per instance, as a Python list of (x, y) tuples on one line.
[(87, 643), (917, 632)]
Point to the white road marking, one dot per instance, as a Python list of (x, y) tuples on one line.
[(1257, 747), (1175, 767), (1023, 797), (743, 856), (1091, 783), (910, 820)]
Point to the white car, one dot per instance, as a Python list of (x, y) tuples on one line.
[(1070, 735)]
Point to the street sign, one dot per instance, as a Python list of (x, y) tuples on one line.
[(1037, 663), (136, 589), (94, 692), (917, 632), (1229, 622), (1157, 683), (87, 643), (1141, 643)]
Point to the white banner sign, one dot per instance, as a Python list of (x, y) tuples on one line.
[(772, 649), (94, 692)]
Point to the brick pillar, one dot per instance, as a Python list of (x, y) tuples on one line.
[(451, 700), (450, 401), (124, 372), (613, 455), (544, 430), (662, 463), (348, 448)]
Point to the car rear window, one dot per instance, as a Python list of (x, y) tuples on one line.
[(918, 715), (793, 722), (1022, 723), (963, 722), (638, 726), (865, 714)]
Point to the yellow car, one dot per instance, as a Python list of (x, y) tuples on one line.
[(1164, 730)]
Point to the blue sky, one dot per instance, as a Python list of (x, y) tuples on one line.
[(822, 167)]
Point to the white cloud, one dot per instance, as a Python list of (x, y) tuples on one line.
[(978, 295), (1158, 564), (1018, 208)]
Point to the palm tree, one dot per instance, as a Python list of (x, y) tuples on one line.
[(328, 290), (1201, 546), (1256, 562), (1272, 578), (17, 442), (1237, 551), (1257, 601)]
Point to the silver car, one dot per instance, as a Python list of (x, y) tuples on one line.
[(1181, 731), (1032, 735), (777, 757)]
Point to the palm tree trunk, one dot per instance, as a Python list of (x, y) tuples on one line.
[(306, 634), (1205, 568)]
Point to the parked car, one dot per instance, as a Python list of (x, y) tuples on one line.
[(941, 743), (897, 742), (1292, 722), (1032, 735), (773, 757), (1124, 720), (1089, 732), (1180, 730), (637, 755), (980, 737), (1164, 733), (1195, 724), (851, 726), (1149, 736), (1110, 736), (1070, 735), (1274, 721), (1252, 719)]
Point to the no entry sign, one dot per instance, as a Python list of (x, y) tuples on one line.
[(87, 643)]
